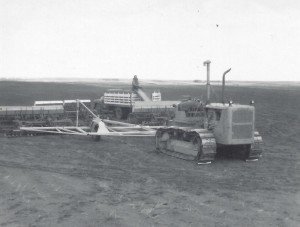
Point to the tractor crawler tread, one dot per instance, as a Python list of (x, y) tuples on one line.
[(188, 144), (256, 148)]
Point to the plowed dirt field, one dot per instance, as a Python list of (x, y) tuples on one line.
[(71, 181)]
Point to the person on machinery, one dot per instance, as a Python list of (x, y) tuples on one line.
[(135, 83)]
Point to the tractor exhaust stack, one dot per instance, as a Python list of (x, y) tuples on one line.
[(207, 64), (223, 84)]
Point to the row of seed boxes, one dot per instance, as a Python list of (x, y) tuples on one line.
[(154, 107), (69, 106), (12, 112)]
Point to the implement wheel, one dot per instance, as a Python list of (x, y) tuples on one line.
[(119, 113)]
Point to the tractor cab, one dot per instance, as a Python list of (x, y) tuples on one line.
[(232, 124)]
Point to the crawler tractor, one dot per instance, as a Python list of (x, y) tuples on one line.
[(200, 130)]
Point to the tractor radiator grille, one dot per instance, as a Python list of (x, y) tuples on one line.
[(242, 131), (242, 116)]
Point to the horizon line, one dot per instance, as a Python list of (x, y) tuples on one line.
[(86, 79)]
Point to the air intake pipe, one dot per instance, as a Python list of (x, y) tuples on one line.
[(223, 84), (207, 64)]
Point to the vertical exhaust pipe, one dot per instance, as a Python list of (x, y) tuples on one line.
[(207, 64), (223, 84)]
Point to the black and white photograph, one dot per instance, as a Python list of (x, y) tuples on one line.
[(149, 113)]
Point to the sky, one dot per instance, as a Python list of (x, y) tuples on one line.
[(154, 39)]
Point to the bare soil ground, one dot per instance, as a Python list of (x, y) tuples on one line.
[(74, 181)]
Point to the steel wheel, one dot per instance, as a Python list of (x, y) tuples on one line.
[(197, 142), (161, 139)]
